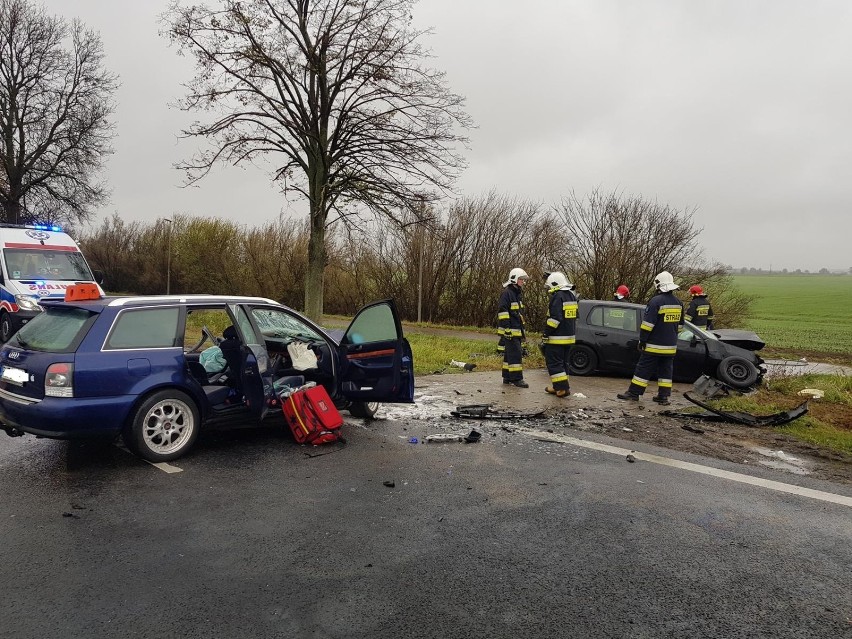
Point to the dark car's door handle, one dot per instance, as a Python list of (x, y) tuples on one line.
[(601, 334)]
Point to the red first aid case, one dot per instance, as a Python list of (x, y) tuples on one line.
[(312, 416)]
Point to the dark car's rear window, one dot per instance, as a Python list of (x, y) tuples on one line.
[(56, 330)]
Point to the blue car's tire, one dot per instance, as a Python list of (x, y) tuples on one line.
[(163, 427), (366, 410)]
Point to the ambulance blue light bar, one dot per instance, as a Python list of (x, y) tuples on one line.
[(38, 227)]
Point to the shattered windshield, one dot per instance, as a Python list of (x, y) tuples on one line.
[(42, 264)]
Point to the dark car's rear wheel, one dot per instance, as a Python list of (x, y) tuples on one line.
[(6, 327), (737, 372), (163, 427), (582, 360), (367, 410)]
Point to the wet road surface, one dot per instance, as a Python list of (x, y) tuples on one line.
[(254, 536)]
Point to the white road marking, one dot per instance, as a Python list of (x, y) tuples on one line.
[(695, 468), (166, 468)]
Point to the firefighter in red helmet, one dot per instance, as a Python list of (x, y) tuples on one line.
[(699, 311), (622, 293)]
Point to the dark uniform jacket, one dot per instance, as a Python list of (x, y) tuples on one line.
[(561, 318), (661, 324), (510, 312), (700, 312)]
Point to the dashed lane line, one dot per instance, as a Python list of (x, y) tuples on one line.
[(695, 468)]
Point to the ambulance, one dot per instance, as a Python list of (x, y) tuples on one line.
[(37, 262)]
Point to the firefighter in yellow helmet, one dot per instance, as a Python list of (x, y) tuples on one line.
[(559, 332), (510, 326), (657, 342)]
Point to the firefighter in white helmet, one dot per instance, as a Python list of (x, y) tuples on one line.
[(559, 332), (510, 326), (657, 342)]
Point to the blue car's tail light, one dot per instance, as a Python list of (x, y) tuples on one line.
[(59, 380)]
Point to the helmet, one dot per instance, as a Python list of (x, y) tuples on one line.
[(664, 282), (622, 292), (516, 274), (696, 290), (558, 280)]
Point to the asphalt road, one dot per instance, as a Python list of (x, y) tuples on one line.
[(510, 537)]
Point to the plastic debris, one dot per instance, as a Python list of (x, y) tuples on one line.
[(412, 440), (630, 458), (467, 367), (485, 411), (816, 393), (579, 396), (473, 437), (389, 483), (443, 437)]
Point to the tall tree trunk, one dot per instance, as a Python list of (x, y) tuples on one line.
[(316, 265)]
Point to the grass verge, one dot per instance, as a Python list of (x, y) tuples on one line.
[(433, 353), (828, 423)]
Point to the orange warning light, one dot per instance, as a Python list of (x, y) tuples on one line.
[(80, 292)]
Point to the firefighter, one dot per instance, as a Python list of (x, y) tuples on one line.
[(622, 293), (510, 326), (699, 311), (559, 333), (657, 342)]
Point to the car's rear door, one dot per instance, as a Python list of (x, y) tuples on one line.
[(375, 359), (616, 333), (255, 371)]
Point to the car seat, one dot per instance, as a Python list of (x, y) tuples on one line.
[(230, 347)]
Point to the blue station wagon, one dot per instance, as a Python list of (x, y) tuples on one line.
[(150, 369)]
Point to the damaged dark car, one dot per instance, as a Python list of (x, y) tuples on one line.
[(608, 333)]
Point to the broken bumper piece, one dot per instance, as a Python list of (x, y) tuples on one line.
[(485, 411), (707, 388)]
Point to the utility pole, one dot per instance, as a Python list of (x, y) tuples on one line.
[(169, 258)]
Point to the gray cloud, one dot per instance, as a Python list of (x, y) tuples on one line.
[(739, 109)]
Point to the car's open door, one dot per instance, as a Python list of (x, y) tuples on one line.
[(375, 359)]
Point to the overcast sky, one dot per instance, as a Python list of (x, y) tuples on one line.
[(741, 109)]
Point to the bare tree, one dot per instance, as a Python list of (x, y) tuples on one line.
[(55, 108), (336, 91), (613, 239)]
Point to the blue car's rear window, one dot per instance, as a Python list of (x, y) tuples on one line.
[(56, 330)]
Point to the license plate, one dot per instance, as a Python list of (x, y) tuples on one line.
[(14, 375)]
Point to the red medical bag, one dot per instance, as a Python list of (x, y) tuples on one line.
[(312, 416)]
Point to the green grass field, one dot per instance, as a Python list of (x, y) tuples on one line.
[(805, 315)]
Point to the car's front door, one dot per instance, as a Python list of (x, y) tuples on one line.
[(376, 364), (691, 355)]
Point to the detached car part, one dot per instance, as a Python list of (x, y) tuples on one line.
[(708, 388), (484, 411)]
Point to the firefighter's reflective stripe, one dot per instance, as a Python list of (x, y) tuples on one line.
[(660, 349), (503, 315), (671, 313), (513, 332), (639, 381), (664, 383), (552, 322), (513, 368), (559, 377), (515, 306), (561, 340), (647, 326)]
